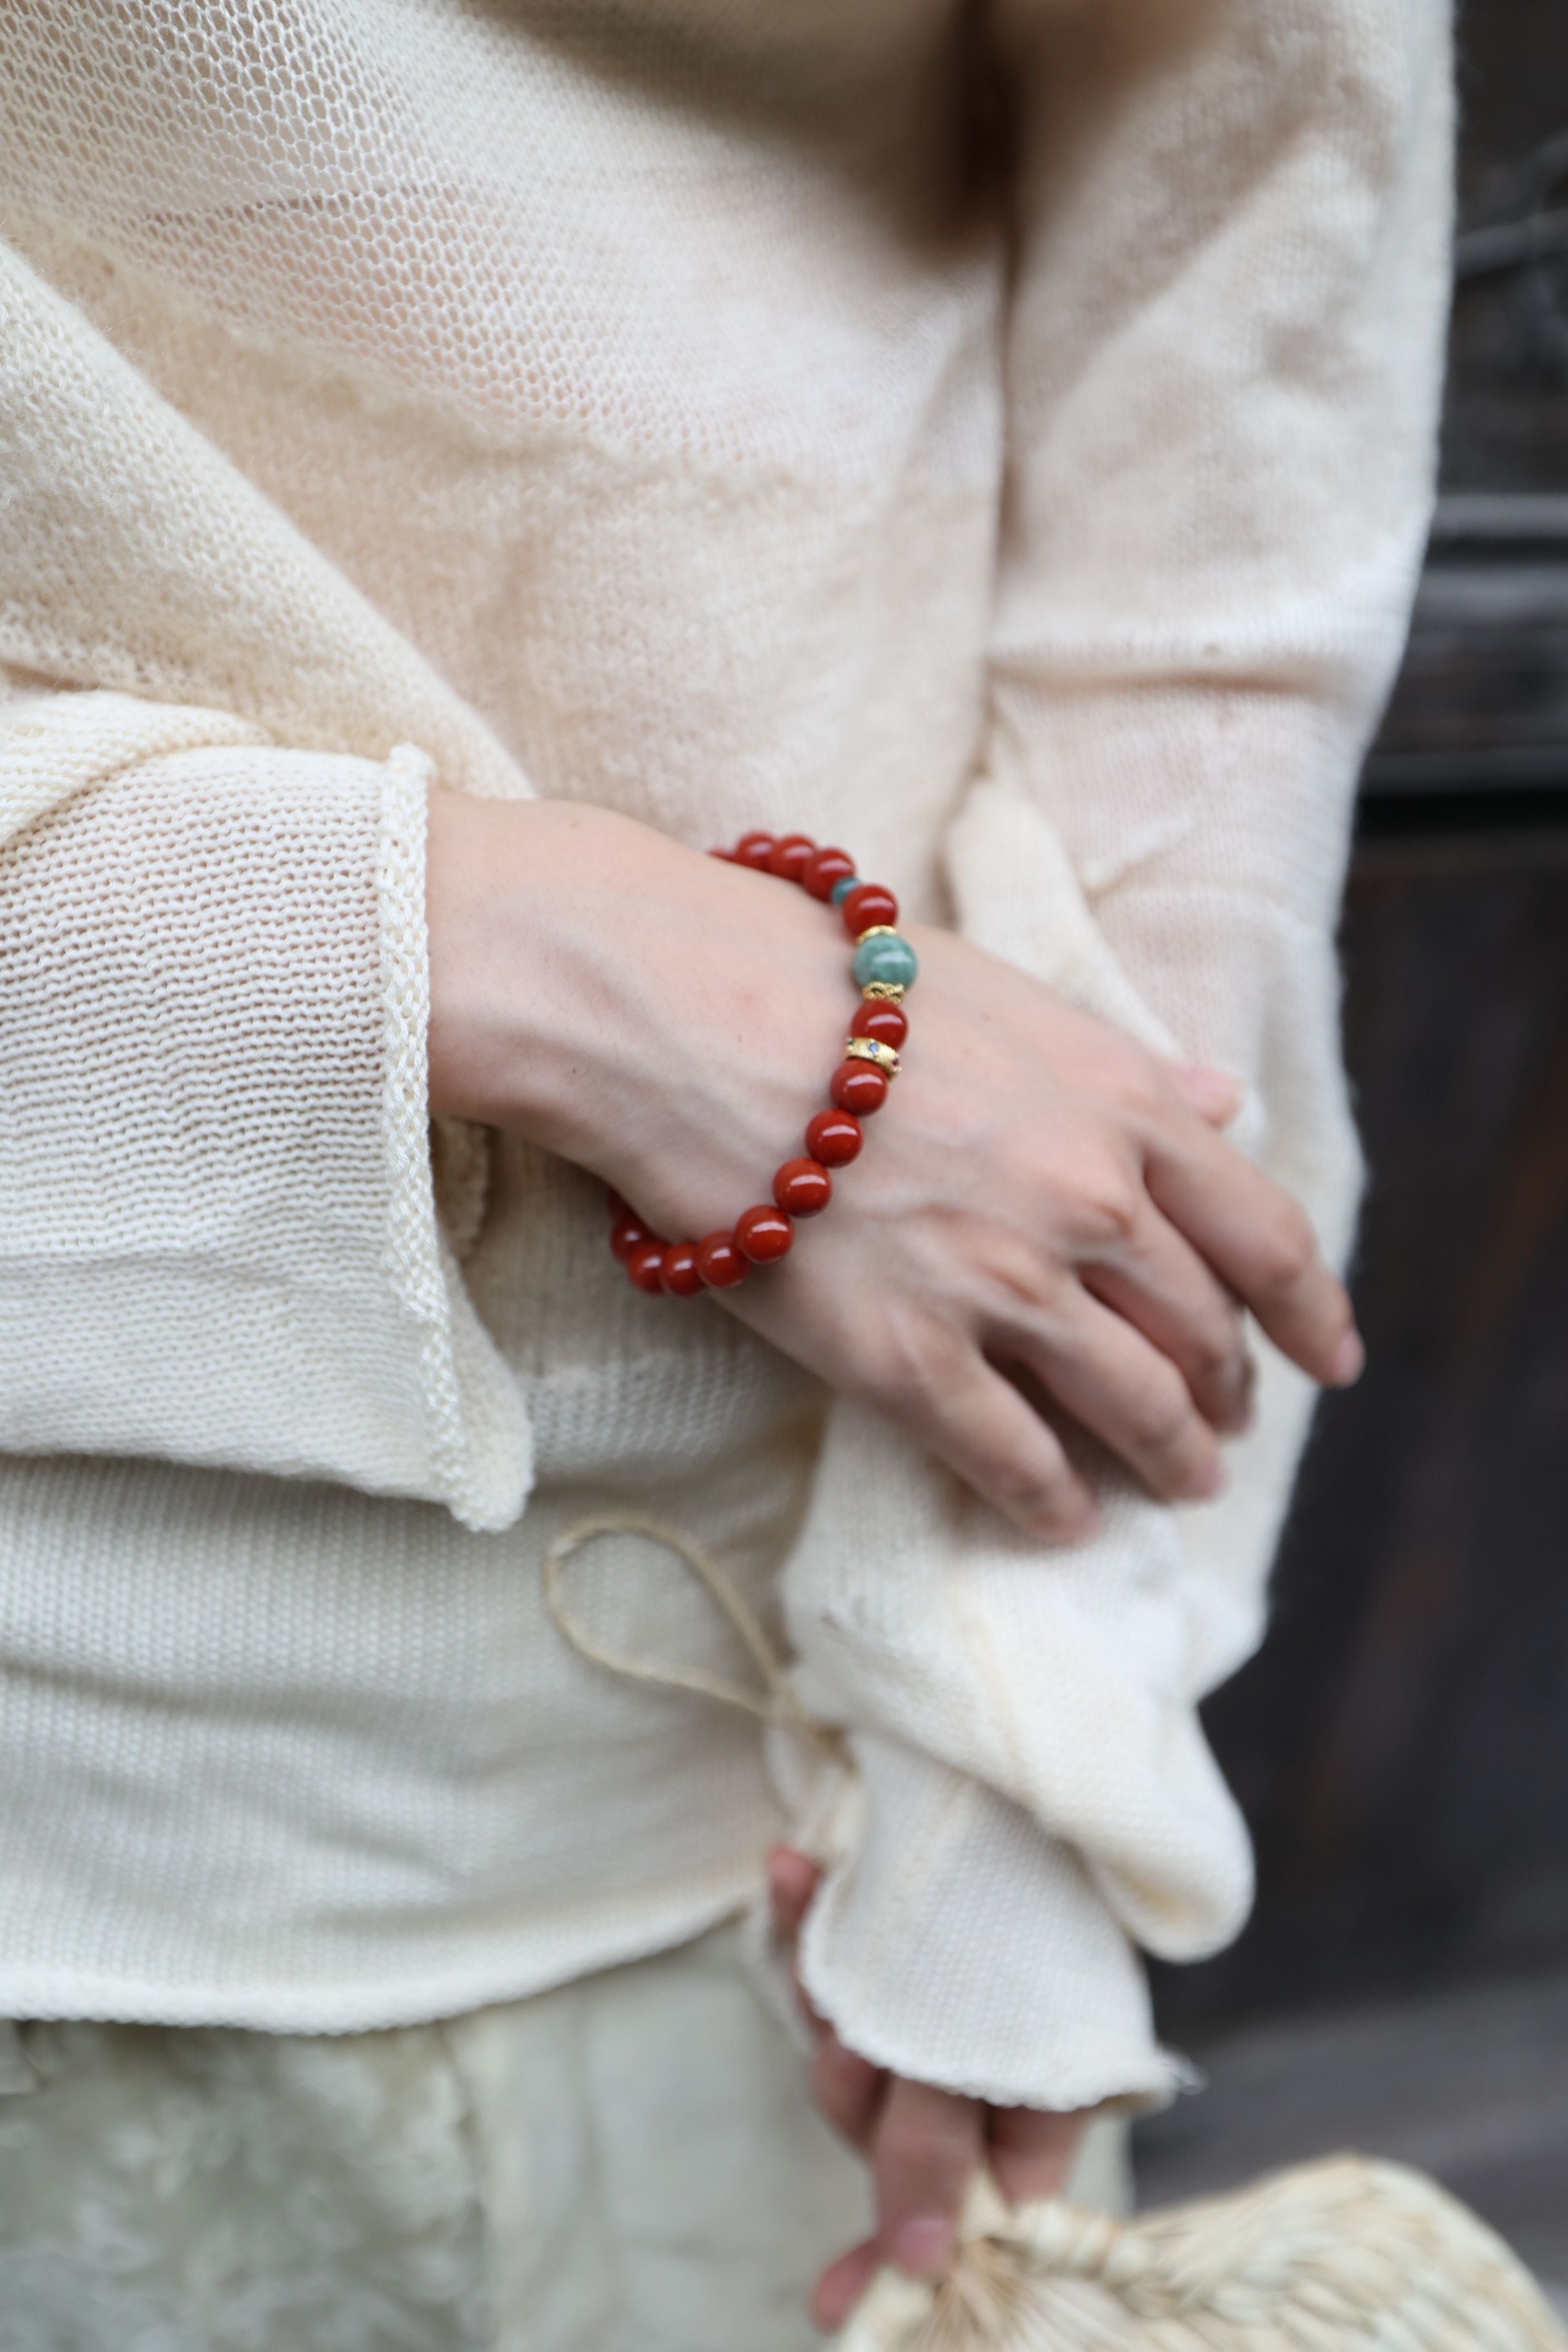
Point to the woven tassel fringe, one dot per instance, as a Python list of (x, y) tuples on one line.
[(1348, 2255)]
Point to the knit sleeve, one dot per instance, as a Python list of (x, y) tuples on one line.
[(219, 1241), (1223, 370)]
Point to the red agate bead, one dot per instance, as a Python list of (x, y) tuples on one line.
[(867, 904), (792, 855), (764, 1234), (628, 1235), (886, 1023), (834, 1138), (859, 1086), (719, 1262), (754, 849), (646, 1267), (679, 1271), (829, 866), (802, 1187)]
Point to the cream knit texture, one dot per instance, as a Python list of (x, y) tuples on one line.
[(654, 408)]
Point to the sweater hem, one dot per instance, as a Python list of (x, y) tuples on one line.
[(104, 1998)]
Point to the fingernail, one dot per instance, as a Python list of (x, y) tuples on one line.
[(924, 2246), (1349, 1361), (1214, 1481)]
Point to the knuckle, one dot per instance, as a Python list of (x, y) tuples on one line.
[(1027, 1495), (1104, 1207), (1132, 1078), (905, 1360), (1013, 1274), (1161, 1420), (1287, 1251), (923, 1360), (1216, 1359)]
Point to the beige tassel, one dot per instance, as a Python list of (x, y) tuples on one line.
[(1349, 2255)]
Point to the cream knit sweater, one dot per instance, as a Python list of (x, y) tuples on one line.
[(658, 407)]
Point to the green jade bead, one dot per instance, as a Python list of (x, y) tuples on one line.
[(889, 957), (840, 890)]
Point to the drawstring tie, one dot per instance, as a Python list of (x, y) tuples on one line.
[(774, 1704)]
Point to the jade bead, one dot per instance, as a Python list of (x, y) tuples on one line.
[(841, 889), (889, 957)]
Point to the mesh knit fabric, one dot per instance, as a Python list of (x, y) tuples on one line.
[(652, 407)]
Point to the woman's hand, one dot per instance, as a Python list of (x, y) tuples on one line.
[(923, 2145), (1045, 1218)]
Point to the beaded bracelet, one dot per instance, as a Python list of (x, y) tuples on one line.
[(884, 966)]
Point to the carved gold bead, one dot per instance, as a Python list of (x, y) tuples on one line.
[(868, 1049)]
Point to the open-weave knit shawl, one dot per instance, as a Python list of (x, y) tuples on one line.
[(138, 561)]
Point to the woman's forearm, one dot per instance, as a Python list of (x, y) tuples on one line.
[(1043, 1221)]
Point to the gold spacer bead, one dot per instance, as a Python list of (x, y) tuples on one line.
[(883, 992), (872, 1049), (877, 931)]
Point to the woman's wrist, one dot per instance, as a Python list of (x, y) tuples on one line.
[(1044, 1212), (594, 986), (488, 870)]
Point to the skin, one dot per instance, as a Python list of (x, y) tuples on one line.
[(1047, 1225), (922, 2143)]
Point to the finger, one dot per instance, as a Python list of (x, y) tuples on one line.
[(842, 2284), (1106, 1374), (792, 1880), (1210, 1093), (849, 2090), (928, 2146), (1031, 2150), (1157, 1282), (1260, 1244), (975, 1420)]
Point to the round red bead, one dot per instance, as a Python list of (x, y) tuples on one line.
[(859, 1086), (829, 866), (629, 1233), (646, 1267), (679, 1272), (834, 1138), (867, 904), (792, 855), (754, 849), (719, 1263), (804, 1187), (885, 1023), (764, 1234)]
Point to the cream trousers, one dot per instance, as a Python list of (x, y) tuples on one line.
[(628, 2164)]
